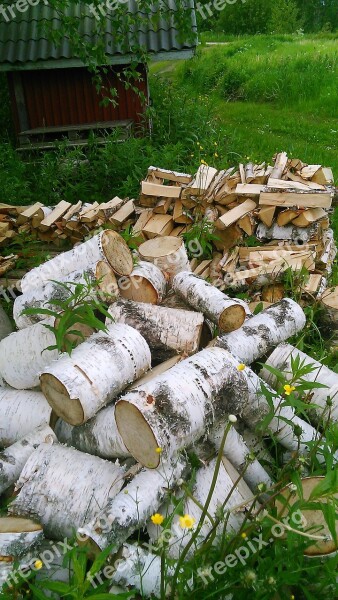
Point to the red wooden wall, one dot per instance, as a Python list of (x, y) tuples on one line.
[(58, 97)]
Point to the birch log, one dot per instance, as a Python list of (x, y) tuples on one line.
[(5, 324), (264, 331), (237, 452), (18, 537), (63, 488), (99, 436), (145, 284), (24, 354), (329, 302), (227, 313), (77, 386), (106, 245), (133, 506), (173, 410), (21, 412), (225, 486), (281, 359), (168, 253), (13, 459), (43, 297), (168, 331), (298, 235)]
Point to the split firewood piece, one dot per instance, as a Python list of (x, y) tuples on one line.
[(170, 175), (27, 214), (141, 222), (168, 331), (232, 216), (167, 253), (227, 313), (155, 189), (50, 488), (107, 209), (248, 224), (237, 452), (20, 369), (266, 215), (146, 283), (55, 215), (19, 539), (42, 213), (158, 225), (299, 181), (133, 506), (202, 180), (315, 285), (309, 216), (216, 270), (155, 371), (74, 210), (203, 269), (21, 413), (226, 493), (329, 302), (312, 518), (296, 235), (154, 416), (327, 256), (163, 206), (120, 216), (323, 176), (264, 331), (77, 386), (305, 200), (106, 288), (5, 324), (309, 171), (180, 215), (273, 293), (228, 238), (249, 189), (13, 459), (279, 166), (281, 359), (286, 216), (107, 245), (99, 436)]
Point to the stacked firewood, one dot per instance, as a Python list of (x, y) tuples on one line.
[(95, 442)]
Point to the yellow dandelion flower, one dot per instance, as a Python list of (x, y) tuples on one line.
[(187, 522), (157, 519), (159, 450), (243, 535), (216, 155), (288, 389), (38, 564), (241, 367), (215, 143)]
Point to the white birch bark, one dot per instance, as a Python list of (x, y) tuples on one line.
[(140, 569), (99, 436), (18, 539), (281, 359), (175, 409), (5, 324), (78, 386), (237, 452), (106, 245), (133, 506), (264, 331), (21, 412), (298, 235), (168, 331), (238, 494), (43, 296), (227, 313), (168, 253), (63, 488), (145, 284), (13, 459)]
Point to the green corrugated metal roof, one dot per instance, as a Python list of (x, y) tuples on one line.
[(24, 40)]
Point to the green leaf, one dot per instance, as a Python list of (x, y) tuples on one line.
[(37, 593)]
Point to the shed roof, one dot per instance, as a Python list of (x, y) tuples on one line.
[(24, 42)]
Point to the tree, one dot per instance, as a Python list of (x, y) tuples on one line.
[(285, 17)]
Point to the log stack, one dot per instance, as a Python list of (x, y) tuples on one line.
[(95, 441)]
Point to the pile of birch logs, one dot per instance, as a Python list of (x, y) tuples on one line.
[(94, 443)]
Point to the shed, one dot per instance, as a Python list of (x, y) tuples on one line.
[(52, 91)]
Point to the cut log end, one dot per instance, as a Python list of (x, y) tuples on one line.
[(18, 525), (107, 280), (137, 435), (117, 253), (67, 408), (232, 318), (140, 289)]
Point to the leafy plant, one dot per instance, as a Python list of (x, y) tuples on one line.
[(199, 239)]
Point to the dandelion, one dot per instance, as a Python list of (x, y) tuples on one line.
[(216, 155), (201, 147), (215, 143), (38, 564), (232, 419), (292, 597), (159, 450), (288, 389), (157, 519), (192, 155), (241, 367), (187, 522), (243, 535), (249, 577)]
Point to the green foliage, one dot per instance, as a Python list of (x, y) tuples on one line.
[(199, 239), (79, 306), (285, 17)]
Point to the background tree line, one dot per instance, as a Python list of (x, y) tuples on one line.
[(271, 16)]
